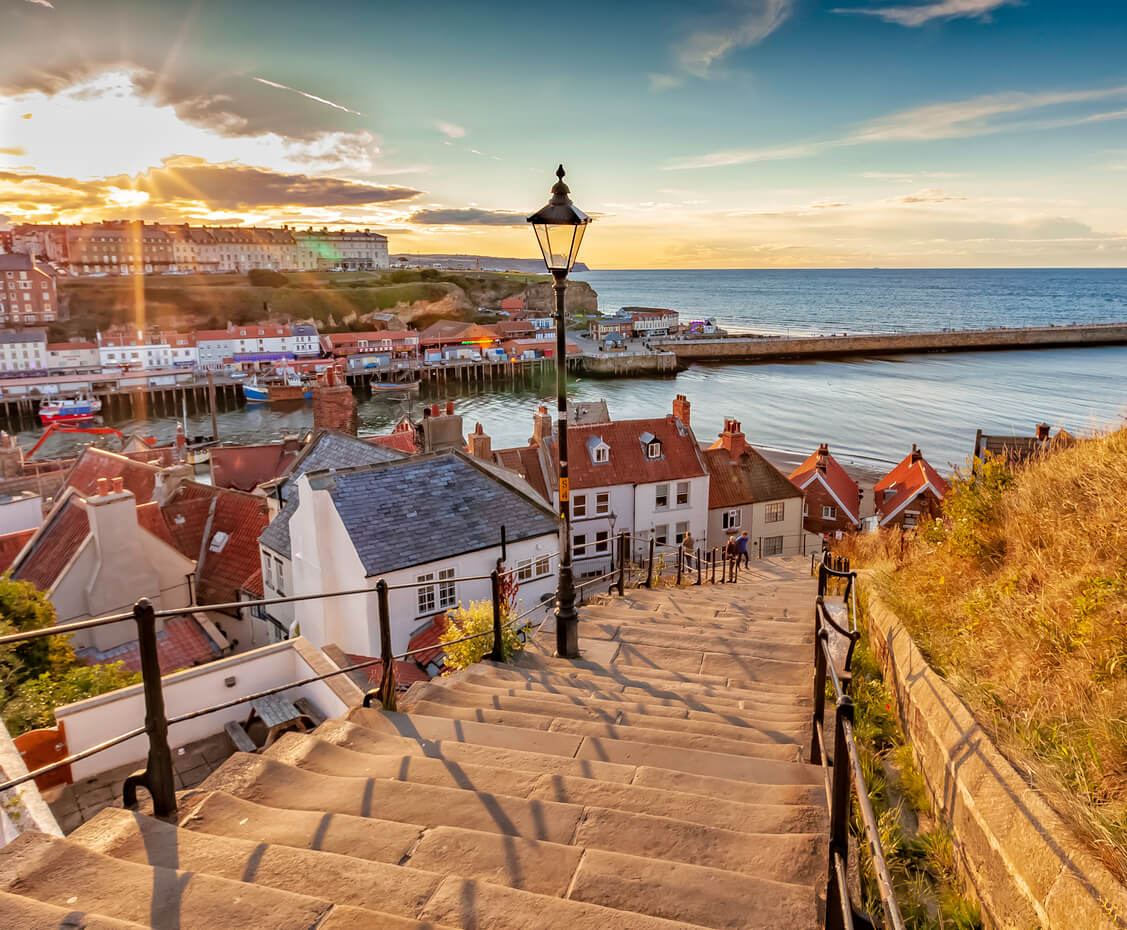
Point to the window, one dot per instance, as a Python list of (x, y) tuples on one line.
[(602, 541), (279, 580), (524, 570), (543, 566), (267, 580), (773, 545), (682, 494), (579, 544), (578, 505), (661, 534), (661, 497), (730, 519), (426, 594), (773, 513), (829, 513), (602, 503), (602, 454), (653, 449), (682, 531), (447, 589)]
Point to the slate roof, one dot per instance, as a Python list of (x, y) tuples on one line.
[(681, 458), (430, 507), (328, 449), (750, 479), (906, 480), (59, 539), (835, 478)]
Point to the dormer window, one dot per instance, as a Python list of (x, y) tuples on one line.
[(653, 450), (602, 454)]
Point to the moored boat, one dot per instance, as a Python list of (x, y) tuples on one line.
[(70, 410), (290, 388), (377, 385)]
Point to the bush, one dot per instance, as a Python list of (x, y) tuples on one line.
[(476, 620), (34, 703), (264, 277)]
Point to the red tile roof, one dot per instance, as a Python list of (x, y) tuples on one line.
[(511, 329), (63, 346), (907, 480), (149, 517), (428, 639), (516, 346), (244, 468), (835, 479), (406, 673), (448, 331), (749, 479), (57, 542), (525, 461), (627, 461), (252, 584), (402, 440), (181, 644), (196, 514), (11, 544), (94, 463)]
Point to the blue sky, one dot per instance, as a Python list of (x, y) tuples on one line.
[(746, 133)]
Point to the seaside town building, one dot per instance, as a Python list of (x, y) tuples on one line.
[(119, 247), (23, 353), (1018, 449), (832, 498), (378, 349), (747, 494), (652, 322), (28, 292), (75, 357), (621, 324), (126, 351), (911, 491)]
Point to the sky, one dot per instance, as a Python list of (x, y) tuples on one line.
[(726, 134)]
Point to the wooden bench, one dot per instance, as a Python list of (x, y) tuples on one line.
[(309, 709), (239, 738)]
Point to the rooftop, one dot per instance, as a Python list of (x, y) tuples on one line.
[(835, 479), (750, 479)]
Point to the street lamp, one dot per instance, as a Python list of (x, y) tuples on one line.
[(559, 228)]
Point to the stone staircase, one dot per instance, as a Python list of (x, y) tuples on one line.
[(656, 783)]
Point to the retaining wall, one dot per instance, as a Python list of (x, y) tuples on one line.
[(1026, 867), (628, 365)]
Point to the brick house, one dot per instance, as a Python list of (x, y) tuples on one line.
[(913, 489), (28, 293), (832, 498)]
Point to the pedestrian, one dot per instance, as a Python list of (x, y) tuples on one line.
[(687, 541), (730, 563), (741, 549)]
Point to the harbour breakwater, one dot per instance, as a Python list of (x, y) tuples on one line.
[(779, 348)]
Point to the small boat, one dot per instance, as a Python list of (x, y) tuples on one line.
[(290, 388), (70, 410), (377, 385)]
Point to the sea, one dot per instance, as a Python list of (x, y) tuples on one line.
[(869, 410)]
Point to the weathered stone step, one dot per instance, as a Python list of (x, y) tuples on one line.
[(361, 739), (20, 913), (678, 891), (317, 755), (702, 662), (758, 748), (622, 751), (793, 858), (594, 711), (757, 642), (66, 874), (710, 621)]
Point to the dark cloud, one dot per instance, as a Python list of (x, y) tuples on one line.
[(467, 217), (231, 186)]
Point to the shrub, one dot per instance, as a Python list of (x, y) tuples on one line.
[(265, 277), (476, 620)]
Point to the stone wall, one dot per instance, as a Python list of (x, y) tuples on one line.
[(755, 349), (627, 365), (1025, 866)]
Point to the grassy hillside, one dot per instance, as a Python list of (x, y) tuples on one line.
[(1018, 596), (333, 301)]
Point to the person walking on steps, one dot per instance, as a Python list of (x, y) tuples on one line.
[(741, 549), (730, 556)]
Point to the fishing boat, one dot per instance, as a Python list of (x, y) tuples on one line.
[(70, 410), (289, 388), (378, 385)]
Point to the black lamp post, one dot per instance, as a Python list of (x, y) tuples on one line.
[(559, 228)]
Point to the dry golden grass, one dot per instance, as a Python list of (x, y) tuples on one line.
[(1018, 595)]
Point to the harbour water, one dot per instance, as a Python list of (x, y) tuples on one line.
[(870, 411)]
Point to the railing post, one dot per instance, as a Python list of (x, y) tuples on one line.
[(712, 559), (622, 563), (650, 569), (680, 562), (157, 776), (698, 565), (839, 816), (498, 653), (819, 689), (387, 679)]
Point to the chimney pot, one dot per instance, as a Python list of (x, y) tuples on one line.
[(450, 408), (434, 410), (103, 486), (1043, 431), (118, 485), (682, 409), (916, 454)]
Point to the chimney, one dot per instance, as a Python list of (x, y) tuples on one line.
[(450, 408), (916, 454), (732, 439), (103, 485), (118, 485), (823, 455), (681, 409), (480, 444), (1042, 432), (434, 410), (541, 425)]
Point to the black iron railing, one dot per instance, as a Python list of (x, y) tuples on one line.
[(842, 771)]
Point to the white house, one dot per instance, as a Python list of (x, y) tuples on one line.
[(23, 351), (653, 322), (420, 524), (120, 350)]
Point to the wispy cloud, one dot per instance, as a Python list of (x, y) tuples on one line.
[(919, 14), (929, 195), (467, 216), (45, 3), (749, 23), (977, 116), (313, 97), (450, 130)]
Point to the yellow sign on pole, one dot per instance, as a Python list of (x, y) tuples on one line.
[(563, 489)]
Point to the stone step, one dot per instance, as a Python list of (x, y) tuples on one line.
[(66, 874), (362, 739), (20, 913), (701, 662), (677, 891), (597, 712), (639, 735), (792, 858), (325, 758), (793, 648), (585, 747)]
